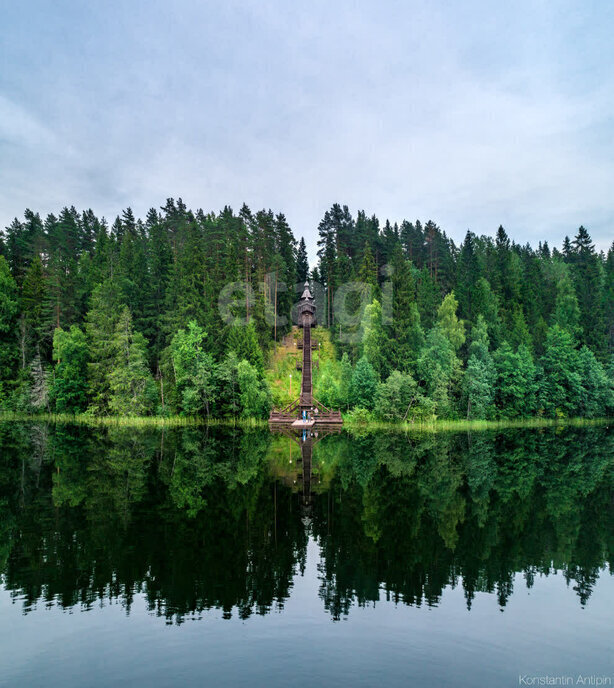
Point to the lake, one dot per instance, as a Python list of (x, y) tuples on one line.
[(229, 557)]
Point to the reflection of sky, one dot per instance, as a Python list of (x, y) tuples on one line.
[(472, 114), (542, 630)]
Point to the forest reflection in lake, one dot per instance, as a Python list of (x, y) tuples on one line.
[(197, 518)]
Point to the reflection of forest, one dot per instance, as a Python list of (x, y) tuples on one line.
[(197, 519)]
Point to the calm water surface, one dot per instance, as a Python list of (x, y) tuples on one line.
[(240, 558)]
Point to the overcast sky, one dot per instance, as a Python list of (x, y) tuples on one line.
[(471, 114)]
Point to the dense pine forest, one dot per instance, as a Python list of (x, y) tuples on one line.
[(182, 312)]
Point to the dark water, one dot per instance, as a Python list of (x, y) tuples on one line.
[(239, 558)]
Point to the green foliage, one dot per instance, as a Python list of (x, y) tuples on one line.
[(100, 327), (194, 369), (397, 398), (448, 322), (439, 370), (254, 394), (363, 385), (69, 391), (169, 270), (243, 341), (566, 311), (302, 262), (374, 340), (516, 383), (8, 318), (479, 378), (132, 389), (561, 386), (597, 395)]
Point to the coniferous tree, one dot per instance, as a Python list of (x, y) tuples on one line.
[(479, 379), (375, 345), (100, 326), (561, 384), (588, 283), (302, 262), (405, 335), (516, 384), (597, 393), (132, 389), (34, 301)]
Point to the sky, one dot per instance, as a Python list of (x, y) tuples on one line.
[(471, 114)]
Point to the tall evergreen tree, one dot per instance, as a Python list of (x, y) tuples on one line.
[(302, 262), (132, 389)]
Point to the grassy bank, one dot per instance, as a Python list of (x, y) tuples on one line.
[(349, 423), (103, 421), (473, 425)]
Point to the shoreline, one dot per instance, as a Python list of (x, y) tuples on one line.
[(348, 424)]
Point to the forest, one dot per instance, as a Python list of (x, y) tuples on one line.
[(136, 317)]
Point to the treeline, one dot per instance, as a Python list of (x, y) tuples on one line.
[(125, 318), (489, 329)]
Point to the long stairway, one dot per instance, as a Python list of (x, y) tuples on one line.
[(306, 387), (314, 411)]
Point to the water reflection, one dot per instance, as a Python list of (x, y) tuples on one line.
[(196, 519)]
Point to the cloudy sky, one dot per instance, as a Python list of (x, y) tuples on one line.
[(470, 114)]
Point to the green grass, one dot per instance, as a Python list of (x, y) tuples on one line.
[(129, 421), (475, 425), (349, 423), (97, 421)]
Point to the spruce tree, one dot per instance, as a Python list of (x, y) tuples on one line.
[(100, 325), (132, 389), (302, 262), (479, 378)]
